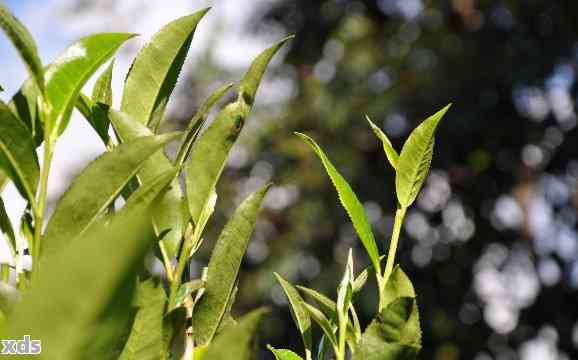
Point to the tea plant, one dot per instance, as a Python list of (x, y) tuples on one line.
[(88, 294), (395, 332)]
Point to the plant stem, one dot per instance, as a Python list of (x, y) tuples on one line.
[(399, 216), (188, 244), (40, 207)]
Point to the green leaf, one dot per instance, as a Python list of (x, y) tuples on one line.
[(96, 186), (415, 159), (209, 153), (390, 152), (327, 305), (350, 202), (102, 91), (393, 335), (82, 282), (398, 285), (96, 115), (235, 341), (298, 312), (6, 228), (101, 103), (208, 156), (71, 70), (224, 267), (24, 43), (17, 153), (170, 212), (250, 82), (323, 322), (284, 354), (146, 338), (197, 122), (154, 72), (25, 104)]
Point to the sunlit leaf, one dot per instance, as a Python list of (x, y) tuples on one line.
[(209, 153), (350, 202), (197, 122), (250, 82), (146, 339), (170, 212), (17, 153), (224, 266), (83, 281), (415, 159), (235, 342), (187, 289), (24, 43), (298, 312), (95, 187), (66, 76), (390, 152), (154, 73), (284, 354)]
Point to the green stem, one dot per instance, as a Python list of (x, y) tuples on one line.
[(41, 204), (399, 216), (188, 244)]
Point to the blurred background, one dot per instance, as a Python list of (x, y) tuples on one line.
[(491, 244)]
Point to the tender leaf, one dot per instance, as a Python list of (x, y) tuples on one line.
[(360, 281), (24, 43), (146, 338), (250, 82), (154, 73), (170, 212), (415, 159), (102, 91), (284, 354), (96, 186), (197, 122), (17, 153), (6, 228), (209, 153), (224, 266), (235, 341), (187, 289), (350, 202), (82, 282), (327, 305), (323, 323), (298, 311), (68, 74), (393, 335), (390, 152), (101, 102), (96, 115)]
